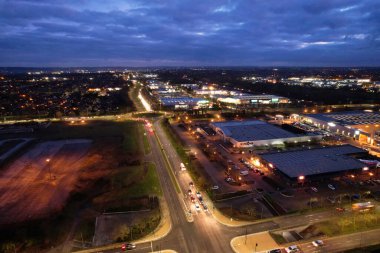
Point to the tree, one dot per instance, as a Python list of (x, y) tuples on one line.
[(124, 232), (8, 247)]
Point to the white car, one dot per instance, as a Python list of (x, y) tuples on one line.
[(215, 187), (331, 187), (317, 243), (199, 195), (197, 207), (292, 249), (314, 189)]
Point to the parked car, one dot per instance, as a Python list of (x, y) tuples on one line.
[(215, 187), (197, 207), (314, 189), (332, 187), (317, 243)]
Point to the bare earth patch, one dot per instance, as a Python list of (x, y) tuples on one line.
[(32, 187)]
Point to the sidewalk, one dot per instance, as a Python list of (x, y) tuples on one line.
[(258, 242)]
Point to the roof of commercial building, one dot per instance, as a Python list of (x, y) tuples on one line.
[(252, 130), (180, 100), (349, 118), (315, 161)]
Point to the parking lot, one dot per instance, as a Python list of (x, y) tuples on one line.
[(235, 171)]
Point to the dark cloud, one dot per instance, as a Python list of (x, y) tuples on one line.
[(184, 32)]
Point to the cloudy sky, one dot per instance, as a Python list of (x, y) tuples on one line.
[(189, 33)]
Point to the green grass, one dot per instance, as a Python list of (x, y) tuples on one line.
[(136, 181), (146, 143), (172, 177), (149, 184), (131, 133), (350, 223), (193, 168)]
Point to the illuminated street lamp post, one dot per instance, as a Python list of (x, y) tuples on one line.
[(301, 179), (48, 161)]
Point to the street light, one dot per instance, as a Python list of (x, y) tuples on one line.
[(48, 161)]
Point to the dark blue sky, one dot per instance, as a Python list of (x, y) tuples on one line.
[(189, 33)]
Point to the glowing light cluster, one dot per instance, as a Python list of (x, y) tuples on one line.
[(145, 103)]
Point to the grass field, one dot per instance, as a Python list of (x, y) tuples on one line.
[(146, 143), (149, 184), (9, 144), (350, 223), (136, 181), (114, 174)]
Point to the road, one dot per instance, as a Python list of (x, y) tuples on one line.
[(204, 234), (345, 242)]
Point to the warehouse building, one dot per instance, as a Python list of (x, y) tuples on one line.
[(361, 125), (183, 103), (311, 163), (250, 133)]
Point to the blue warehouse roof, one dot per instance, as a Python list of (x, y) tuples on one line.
[(315, 161)]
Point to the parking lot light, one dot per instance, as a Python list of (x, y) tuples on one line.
[(371, 174), (301, 177), (365, 168)]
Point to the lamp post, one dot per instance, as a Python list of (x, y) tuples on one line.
[(48, 161)]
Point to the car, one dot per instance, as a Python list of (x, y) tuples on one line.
[(189, 191), (314, 189), (191, 184), (215, 187), (228, 179), (275, 251), (332, 187), (128, 246), (197, 207), (199, 195), (317, 243), (292, 249), (244, 172)]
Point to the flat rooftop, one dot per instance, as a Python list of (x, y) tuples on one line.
[(181, 100), (349, 118), (253, 130), (315, 161)]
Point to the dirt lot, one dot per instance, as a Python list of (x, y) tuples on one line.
[(29, 191)]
